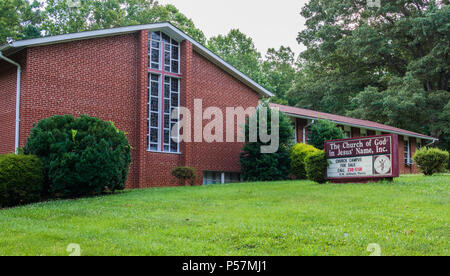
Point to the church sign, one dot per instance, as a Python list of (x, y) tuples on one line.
[(362, 159)]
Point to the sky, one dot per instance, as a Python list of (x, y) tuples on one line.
[(269, 23)]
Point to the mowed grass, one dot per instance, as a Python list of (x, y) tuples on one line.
[(408, 217)]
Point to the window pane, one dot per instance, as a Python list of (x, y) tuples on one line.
[(174, 66), (155, 66), (154, 147), (167, 68), (156, 36), (167, 58), (154, 89), (155, 56), (154, 135), (167, 106), (166, 121), (174, 42), (165, 38), (155, 77), (173, 147), (166, 137), (155, 44), (175, 52), (166, 90), (175, 99), (174, 84), (154, 104), (154, 119)]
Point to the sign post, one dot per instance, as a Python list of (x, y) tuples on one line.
[(362, 159)]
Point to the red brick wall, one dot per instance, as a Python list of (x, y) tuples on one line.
[(356, 132), (8, 74), (301, 123), (218, 89), (96, 77)]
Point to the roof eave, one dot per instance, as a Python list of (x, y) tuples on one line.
[(179, 35), (363, 126)]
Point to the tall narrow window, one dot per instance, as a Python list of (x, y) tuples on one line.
[(164, 92), (407, 152), (153, 119)]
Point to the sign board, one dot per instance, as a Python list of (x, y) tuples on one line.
[(362, 159)]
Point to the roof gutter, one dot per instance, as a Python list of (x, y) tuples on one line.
[(362, 126), (19, 72)]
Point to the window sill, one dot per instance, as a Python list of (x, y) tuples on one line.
[(164, 152)]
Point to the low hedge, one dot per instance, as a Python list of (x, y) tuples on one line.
[(21, 179), (431, 160), (298, 154), (185, 174), (316, 166)]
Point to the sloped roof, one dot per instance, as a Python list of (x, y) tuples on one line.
[(311, 114), (166, 27)]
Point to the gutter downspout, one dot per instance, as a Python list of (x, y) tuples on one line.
[(434, 141), (19, 71), (304, 130)]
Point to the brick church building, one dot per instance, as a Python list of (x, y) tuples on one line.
[(134, 76)]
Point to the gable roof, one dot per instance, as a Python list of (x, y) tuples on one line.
[(313, 115), (166, 27)]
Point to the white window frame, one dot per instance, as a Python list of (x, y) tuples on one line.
[(162, 75), (407, 151), (348, 132)]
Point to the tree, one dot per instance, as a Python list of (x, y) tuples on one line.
[(322, 131), (279, 68), (59, 18), (394, 59), (19, 20), (257, 166), (237, 49)]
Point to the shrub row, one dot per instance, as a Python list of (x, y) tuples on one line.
[(298, 154), (308, 162), (66, 157)]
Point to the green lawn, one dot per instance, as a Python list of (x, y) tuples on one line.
[(408, 217)]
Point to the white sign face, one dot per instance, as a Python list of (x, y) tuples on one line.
[(350, 167), (361, 166)]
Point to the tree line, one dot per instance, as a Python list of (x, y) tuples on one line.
[(388, 64)]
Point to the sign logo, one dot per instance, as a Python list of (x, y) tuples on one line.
[(382, 164)]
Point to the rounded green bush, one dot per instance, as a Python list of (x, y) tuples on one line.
[(185, 173), (82, 156), (431, 160), (298, 154), (316, 165), (21, 179)]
